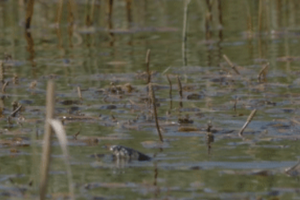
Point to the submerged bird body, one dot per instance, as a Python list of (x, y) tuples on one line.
[(121, 152)]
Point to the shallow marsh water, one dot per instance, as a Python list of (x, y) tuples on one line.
[(189, 164)]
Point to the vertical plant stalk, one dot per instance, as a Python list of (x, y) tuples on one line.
[(79, 93), (249, 18), (59, 12), (147, 61), (180, 90), (62, 139), (170, 91), (252, 114), (71, 12), (128, 8), (184, 35), (231, 64), (260, 12), (109, 13), (29, 13), (45, 161), (152, 97), (70, 21), (2, 72)]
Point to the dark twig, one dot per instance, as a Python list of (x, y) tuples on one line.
[(152, 97), (252, 114), (147, 61)]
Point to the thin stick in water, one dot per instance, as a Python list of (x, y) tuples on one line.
[(152, 96), (79, 93), (170, 83), (180, 90), (45, 161), (252, 114), (231, 64), (179, 86), (170, 91), (147, 65), (263, 72)]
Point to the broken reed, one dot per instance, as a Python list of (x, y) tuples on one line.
[(231, 64), (153, 101), (263, 72), (147, 61), (252, 114), (45, 161)]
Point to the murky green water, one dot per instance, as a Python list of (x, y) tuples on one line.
[(189, 164)]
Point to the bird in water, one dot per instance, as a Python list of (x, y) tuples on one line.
[(122, 152)]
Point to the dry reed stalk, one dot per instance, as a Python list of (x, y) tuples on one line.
[(152, 97), (249, 19), (170, 84), (109, 12), (79, 93), (147, 61), (29, 13), (4, 86), (263, 72), (184, 35), (180, 90), (62, 139), (128, 8), (1, 72), (179, 86), (170, 91), (231, 64), (13, 114), (260, 12), (59, 12), (252, 114), (71, 12), (92, 11), (45, 161)]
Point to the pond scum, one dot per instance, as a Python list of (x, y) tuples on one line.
[(54, 126)]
